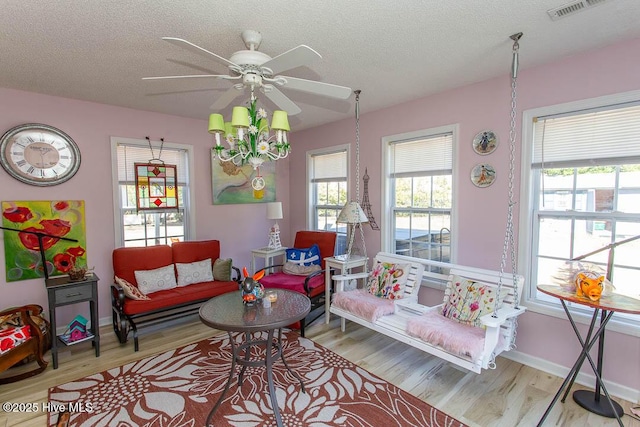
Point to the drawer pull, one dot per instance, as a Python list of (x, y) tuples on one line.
[(74, 295)]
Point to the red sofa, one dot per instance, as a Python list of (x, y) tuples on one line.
[(130, 314)]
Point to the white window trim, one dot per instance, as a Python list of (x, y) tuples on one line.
[(309, 157), (525, 233), (385, 236), (117, 219)]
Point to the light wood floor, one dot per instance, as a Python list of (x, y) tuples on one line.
[(511, 395)]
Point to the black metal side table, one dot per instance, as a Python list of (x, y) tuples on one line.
[(62, 291)]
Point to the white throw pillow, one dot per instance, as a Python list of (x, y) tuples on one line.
[(156, 280), (194, 272)]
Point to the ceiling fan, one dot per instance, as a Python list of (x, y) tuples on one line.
[(257, 70)]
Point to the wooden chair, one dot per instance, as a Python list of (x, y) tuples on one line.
[(22, 338), (312, 285)]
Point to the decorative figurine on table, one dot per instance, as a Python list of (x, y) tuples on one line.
[(252, 290), (585, 279), (589, 286)]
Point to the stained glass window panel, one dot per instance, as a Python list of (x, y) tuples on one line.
[(156, 186)]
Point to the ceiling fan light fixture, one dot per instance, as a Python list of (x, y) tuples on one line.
[(240, 117), (216, 123), (280, 121), (247, 136)]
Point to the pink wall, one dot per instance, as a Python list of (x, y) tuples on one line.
[(242, 227), (482, 212), (238, 227)]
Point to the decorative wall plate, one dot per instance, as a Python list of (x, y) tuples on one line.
[(483, 175), (485, 142)]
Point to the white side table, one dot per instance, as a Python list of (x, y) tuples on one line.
[(343, 265), (268, 254)]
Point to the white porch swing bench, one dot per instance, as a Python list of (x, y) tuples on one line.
[(470, 335), (425, 327)]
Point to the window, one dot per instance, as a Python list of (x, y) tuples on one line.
[(149, 228), (585, 192), (328, 191), (419, 193)]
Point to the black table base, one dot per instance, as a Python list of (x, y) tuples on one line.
[(241, 354), (597, 404), (587, 399)]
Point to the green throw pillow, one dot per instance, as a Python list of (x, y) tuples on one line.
[(222, 269)]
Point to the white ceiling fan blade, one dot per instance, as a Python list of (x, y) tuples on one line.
[(226, 98), (319, 88), (282, 101), (197, 49), (220, 76), (296, 57)]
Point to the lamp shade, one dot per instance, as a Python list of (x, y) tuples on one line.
[(280, 121), (352, 213), (228, 129), (240, 117), (274, 210), (216, 123), (263, 126)]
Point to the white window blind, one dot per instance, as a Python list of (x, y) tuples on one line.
[(433, 155), (599, 136), (130, 154), (330, 167)]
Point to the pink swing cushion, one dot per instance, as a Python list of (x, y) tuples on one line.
[(456, 338), (361, 303)]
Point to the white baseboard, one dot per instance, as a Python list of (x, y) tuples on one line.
[(614, 389)]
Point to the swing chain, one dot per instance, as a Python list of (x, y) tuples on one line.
[(509, 239)]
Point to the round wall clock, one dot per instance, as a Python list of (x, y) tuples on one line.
[(38, 154)]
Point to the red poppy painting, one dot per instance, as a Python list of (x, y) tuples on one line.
[(57, 221)]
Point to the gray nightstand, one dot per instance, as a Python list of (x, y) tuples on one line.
[(61, 291)]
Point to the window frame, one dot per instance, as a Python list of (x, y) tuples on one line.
[(527, 227), (188, 194), (311, 196), (386, 216)]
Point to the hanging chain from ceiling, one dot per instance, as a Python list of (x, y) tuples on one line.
[(509, 238)]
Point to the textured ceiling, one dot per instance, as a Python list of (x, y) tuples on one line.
[(394, 51)]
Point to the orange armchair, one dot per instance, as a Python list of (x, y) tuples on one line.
[(23, 334), (311, 285)]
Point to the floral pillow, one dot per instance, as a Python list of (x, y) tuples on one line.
[(131, 291), (194, 272), (387, 280), (155, 280), (468, 300)]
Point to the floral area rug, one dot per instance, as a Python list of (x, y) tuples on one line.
[(179, 387)]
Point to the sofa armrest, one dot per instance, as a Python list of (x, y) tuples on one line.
[(502, 315), (342, 279), (117, 298), (238, 277), (307, 289), (269, 268)]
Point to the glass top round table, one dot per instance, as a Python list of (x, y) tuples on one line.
[(227, 312)]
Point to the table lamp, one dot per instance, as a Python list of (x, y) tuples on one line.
[(274, 211)]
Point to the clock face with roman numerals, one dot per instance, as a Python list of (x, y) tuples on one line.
[(39, 154)]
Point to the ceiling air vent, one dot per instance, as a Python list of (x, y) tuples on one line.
[(572, 8)]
